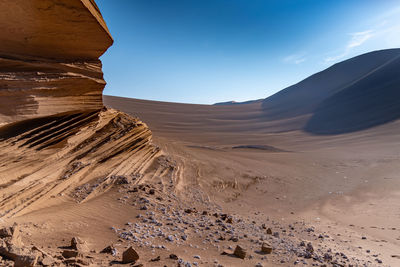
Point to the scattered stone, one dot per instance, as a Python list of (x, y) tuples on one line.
[(48, 261), (310, 248), (173, 257), (266, 248), (26, 260), (158, 258), (188, 211), (130, 255), (269, 231), (79, 244), (234, 239), (69, 253), (240, 252), (109, 250)]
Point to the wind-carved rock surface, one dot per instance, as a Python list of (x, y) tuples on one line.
[(49, 57), (56, 140)]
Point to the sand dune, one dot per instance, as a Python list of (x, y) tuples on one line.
[(337, 179)]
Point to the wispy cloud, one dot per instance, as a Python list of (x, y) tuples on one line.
[(295, 58), (359, 38), (356, 39), (383, 30)]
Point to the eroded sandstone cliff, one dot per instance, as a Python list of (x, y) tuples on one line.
[(57, 141), (49, 57)]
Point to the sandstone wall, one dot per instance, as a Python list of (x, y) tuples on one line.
[(49, 57)]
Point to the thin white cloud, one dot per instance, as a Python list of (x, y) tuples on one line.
[(359, 38), (383, 33), (295, 58)]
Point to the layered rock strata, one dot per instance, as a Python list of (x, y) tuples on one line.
[(49, 57), (57, 142)]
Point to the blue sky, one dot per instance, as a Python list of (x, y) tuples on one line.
[(207, 51)]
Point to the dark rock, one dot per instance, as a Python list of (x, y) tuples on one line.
[(79, 244), (109, 250), (173, 257), (266, 248), (158, 258), (240, 252), (130, 255), (69, 253)]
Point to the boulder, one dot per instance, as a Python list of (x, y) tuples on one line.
[(173, 257), (130, 255), (109, 250), (11, 235), (48, 261), (26, 260), (266, 248), (69, 253), (79, 244), (240, 252)]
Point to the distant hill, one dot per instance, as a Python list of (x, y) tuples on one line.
[(355, 94), (237, 103)]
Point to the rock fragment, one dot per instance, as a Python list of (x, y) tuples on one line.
[(26, 260), (266, 248), (109, 250), (173, 257), (79, 244), (240, 252), (69, 253), (130, 255)]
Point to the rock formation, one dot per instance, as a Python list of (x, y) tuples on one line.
[(49, 57), (57, 140)]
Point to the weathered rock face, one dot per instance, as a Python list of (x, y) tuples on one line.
[(58, 141), (49, 57)]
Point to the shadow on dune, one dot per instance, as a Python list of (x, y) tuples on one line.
[(352, 95), (372, 101)]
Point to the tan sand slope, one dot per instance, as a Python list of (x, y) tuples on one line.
[(340, 180)]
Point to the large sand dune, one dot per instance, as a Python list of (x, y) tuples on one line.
[(299, 151)]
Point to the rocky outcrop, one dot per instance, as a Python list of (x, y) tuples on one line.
[(57, 141), (70, 155), (49, 57)]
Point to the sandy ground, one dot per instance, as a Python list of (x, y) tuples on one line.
[(344, 184), (338, 193)]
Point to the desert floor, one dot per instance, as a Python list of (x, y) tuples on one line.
[(340, 193)]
